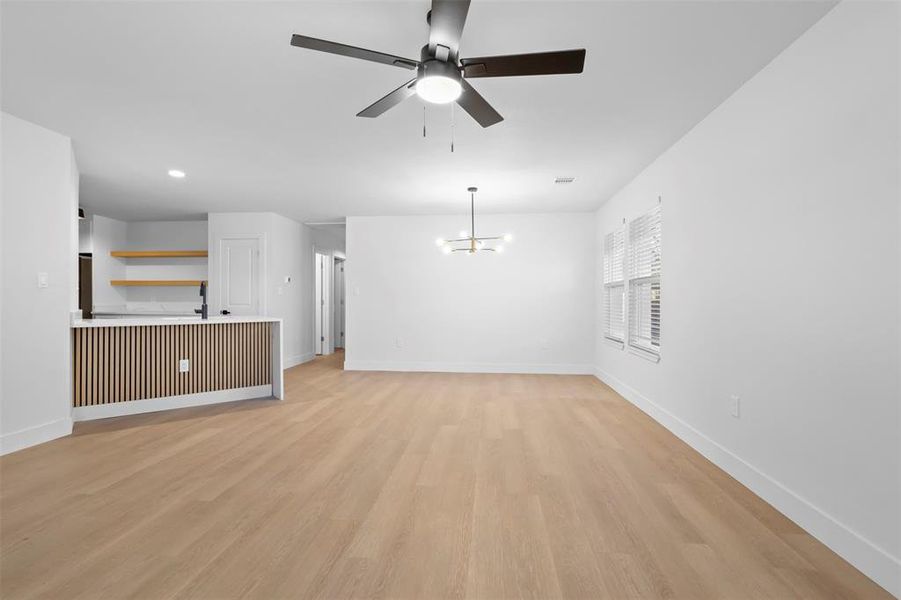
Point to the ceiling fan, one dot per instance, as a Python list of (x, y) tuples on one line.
[(441, 76)]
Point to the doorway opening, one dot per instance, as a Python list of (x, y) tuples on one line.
[(321, 304), (338, 333)]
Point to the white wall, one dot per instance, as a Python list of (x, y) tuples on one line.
[(411, 307), (110, 234), (107, 235), (326, 243), (39, 234), (290, 249), (780, 284), (85, 226), (288, 253), (167, 235), (164, 235)]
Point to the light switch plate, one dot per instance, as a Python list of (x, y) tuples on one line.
[(735, 406), (184, 365), (43, 280)]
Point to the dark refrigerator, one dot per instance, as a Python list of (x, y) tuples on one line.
[(85, 285)]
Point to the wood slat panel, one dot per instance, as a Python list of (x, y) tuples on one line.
[(119, 364)]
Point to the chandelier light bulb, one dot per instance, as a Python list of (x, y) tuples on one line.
[(499, 249), (446, 249), (439, 242), (464, 234), (508, 237)]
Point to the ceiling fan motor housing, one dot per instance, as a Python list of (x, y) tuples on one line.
[(437, 68)]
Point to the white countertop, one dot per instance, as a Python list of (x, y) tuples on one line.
[(138, 321)]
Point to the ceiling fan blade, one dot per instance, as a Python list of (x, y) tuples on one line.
[(477, 107), (389, 101), (446, 25), (303, 41), (540, 63)]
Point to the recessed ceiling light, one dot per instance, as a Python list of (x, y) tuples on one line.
[(564, 179), (176, 173)]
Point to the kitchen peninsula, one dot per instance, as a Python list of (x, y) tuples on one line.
[(135, 365)]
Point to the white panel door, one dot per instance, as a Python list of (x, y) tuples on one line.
[(322, 317), (318, 304), (241, 276), (339, 304)]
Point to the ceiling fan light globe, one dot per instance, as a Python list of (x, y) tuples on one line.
[(438, 89)]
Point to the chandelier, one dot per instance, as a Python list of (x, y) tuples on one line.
[(469, 242)]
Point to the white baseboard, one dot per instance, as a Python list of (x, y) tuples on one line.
[(299, 359), (870, 559), (32, 436), (441, 367), (134, 407)]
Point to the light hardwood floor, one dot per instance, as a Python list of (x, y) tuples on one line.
[(398, 485)]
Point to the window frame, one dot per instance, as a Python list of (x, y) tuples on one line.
[(608, 283), (633, 280)]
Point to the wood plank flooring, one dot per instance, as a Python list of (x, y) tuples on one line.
[(398, 485)]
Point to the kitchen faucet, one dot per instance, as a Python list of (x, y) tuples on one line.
[(203, 311)]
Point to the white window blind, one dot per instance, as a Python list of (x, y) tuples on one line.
[(614, 285), (644, 283)]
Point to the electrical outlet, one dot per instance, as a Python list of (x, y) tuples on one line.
[(735, 406), (184, 365)]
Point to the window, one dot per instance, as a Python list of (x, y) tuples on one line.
[(614, 286), (644, 285)]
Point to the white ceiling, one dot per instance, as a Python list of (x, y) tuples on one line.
[(214, 88)]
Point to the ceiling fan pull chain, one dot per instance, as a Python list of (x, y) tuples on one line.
[(472, 214), (452, 127), (423, 121)]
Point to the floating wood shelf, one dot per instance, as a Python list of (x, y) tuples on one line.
[(158, 253), (156, 282)]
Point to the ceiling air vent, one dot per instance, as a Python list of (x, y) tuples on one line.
[(564, 179)]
